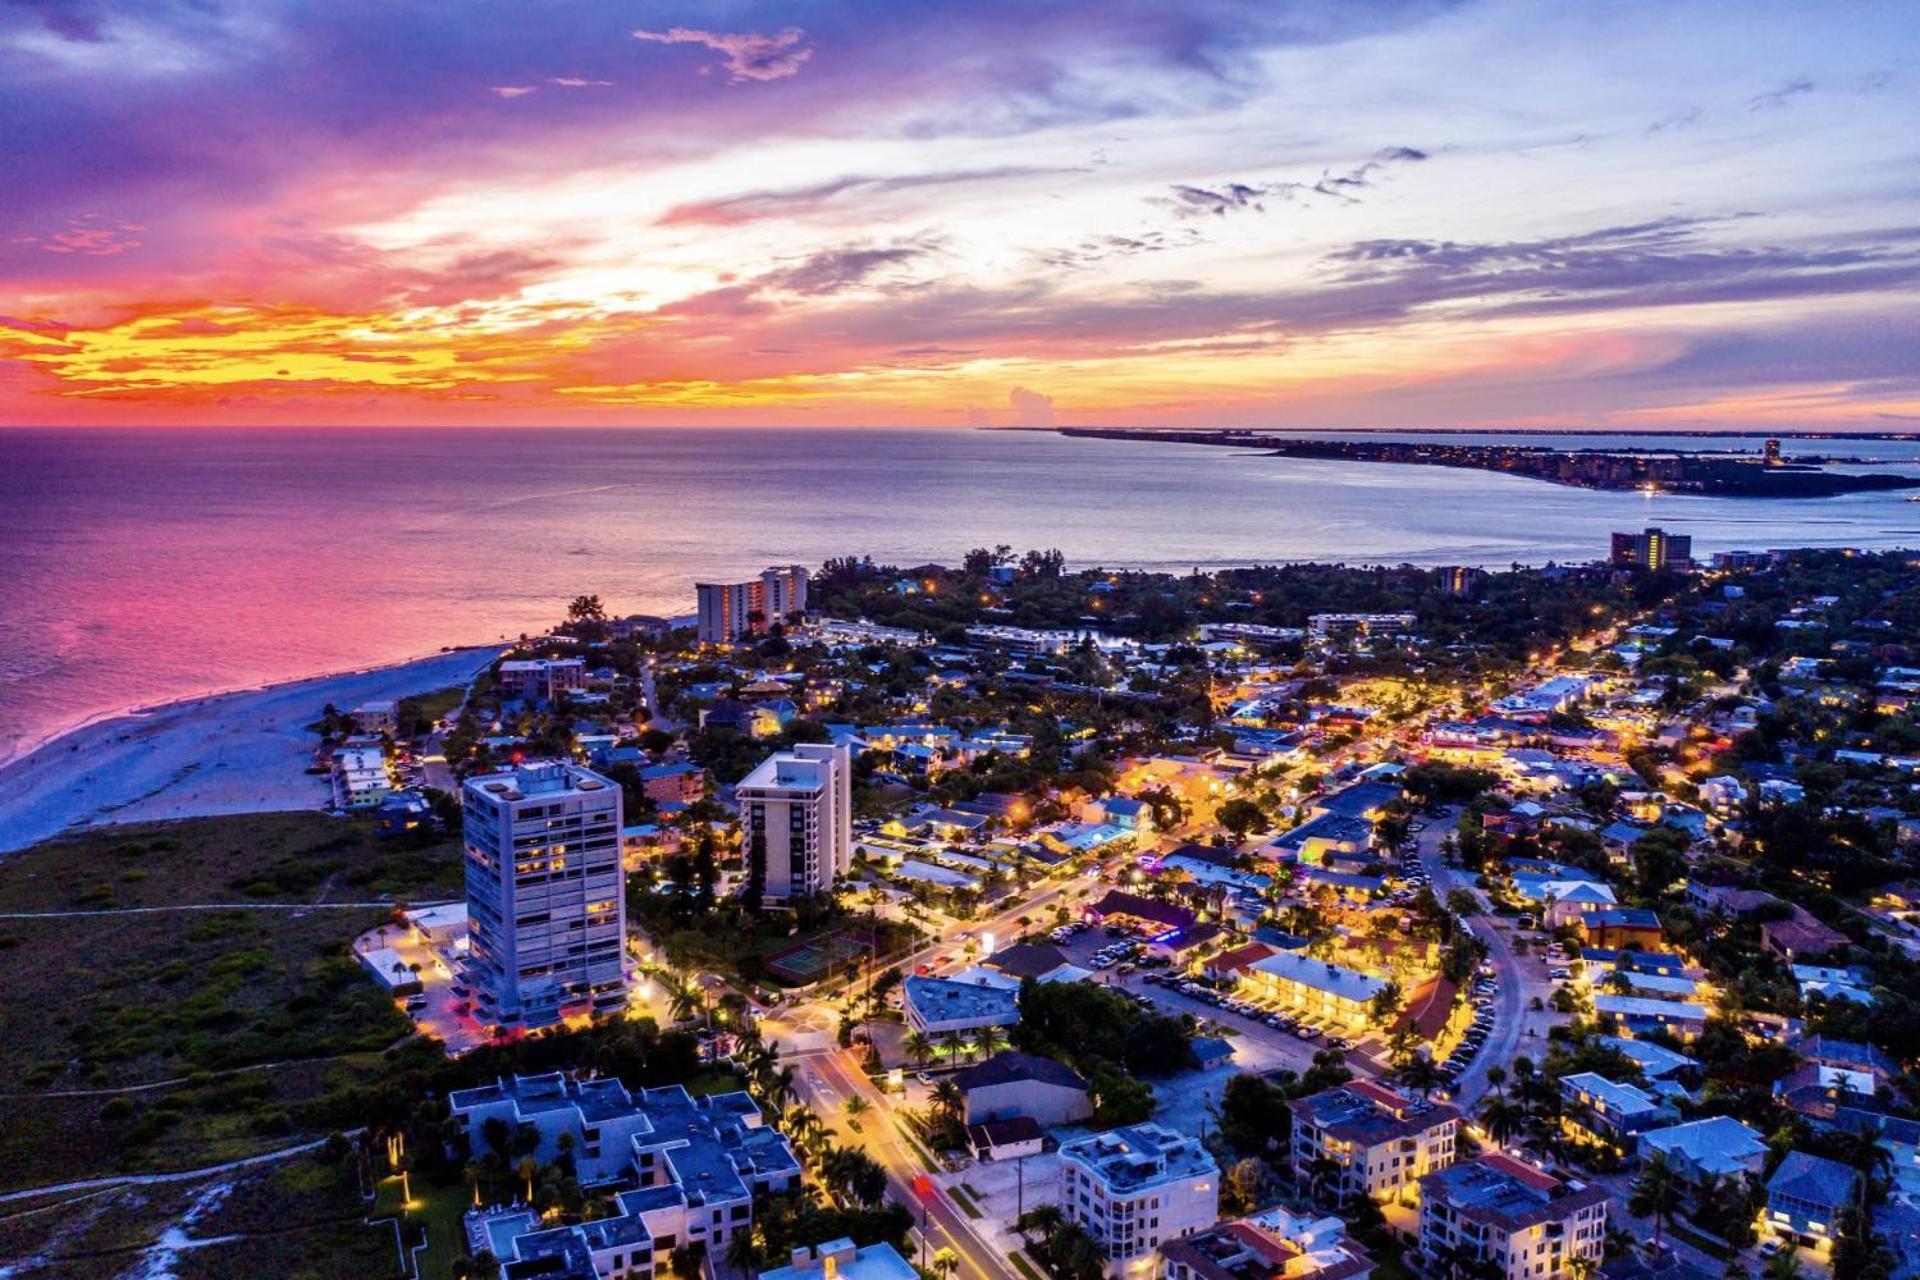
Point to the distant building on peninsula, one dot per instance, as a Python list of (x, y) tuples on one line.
[(546, 893), (729, 610), (796, 811), (1458, 579), (1653, 550)]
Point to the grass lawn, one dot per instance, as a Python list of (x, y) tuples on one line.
[(103, 1003), (439, 1209), (302, 1221)]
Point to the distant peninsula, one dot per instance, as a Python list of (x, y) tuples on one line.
[(1712, 474)]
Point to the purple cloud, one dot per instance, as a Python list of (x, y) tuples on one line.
[(749, 55)]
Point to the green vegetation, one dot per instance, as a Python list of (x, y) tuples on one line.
[(198, 998)]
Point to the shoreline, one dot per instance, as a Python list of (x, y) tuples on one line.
[(29, 746), (232, 751)]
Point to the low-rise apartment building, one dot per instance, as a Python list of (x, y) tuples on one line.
[(1529, 1224), (692, 1167), (1315, 988), (1135, 1188), (1380, 1141)]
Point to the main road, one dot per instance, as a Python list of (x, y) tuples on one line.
[(824, 1081), (1511, 984)]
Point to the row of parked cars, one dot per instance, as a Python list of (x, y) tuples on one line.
[(1304, 1028), (1481, 993)]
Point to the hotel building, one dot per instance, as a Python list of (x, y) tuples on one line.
[(1653, 550), (546, 900), (796, 811), (1315, 988)]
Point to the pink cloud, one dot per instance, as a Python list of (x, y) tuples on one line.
[(511, 90), (84, 236), (750, 55), (578, 82)]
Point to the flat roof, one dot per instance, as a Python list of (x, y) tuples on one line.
[(1321, 975)]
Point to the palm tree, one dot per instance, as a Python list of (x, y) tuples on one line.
[(780, 1089), (1502, 1118), (1497, 1077), (919, 1048), (989, 1040), (1656, 1195), (947, 1098), (954, 1041), (528, 1169), (856, 1107), (744, 1253), (1421, 1073), (945, 1263)]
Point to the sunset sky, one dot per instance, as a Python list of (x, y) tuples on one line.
[(1621, 215)]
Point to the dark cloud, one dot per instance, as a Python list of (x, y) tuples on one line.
[(1194, 201), (1683, 118), (833, 270), (74, 20), (1780, 97), (1098, 249)]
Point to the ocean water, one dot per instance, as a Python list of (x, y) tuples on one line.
[(142, 566)]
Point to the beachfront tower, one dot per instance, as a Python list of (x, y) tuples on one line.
[(546, 894), (796, 810), (729, 610)]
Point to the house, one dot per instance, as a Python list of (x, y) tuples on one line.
[(842, 1260), (1718, 1146), (1340, 996), (1574, 901), (403, 813), (1640, 1014), (1023, 1084), (1801, 936), (1014, 1138), (1121, 811), (1134, 1188), (1380, 1141), (1528, 1224), (1609, 1110), (1804, 1196), (1622, 928), (937, 1006), (1656, 1061), (1272, 1244)]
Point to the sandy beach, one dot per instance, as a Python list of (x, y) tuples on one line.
[(240, 752)]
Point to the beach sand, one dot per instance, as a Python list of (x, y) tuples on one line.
[(240, 752)]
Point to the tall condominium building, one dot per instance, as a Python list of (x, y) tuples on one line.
[(1135, 1188), (796, 810), (1458, 579), (546, 899), (1653, 550), (729, 610)]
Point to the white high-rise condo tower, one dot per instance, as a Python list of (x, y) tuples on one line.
[(797, 813), (546, 893)]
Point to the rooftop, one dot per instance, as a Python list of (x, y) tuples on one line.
[(1717, 1144), (1140, 1155), (1368, 1114), (1507, 1193), (941, 1000), (1347, 984), (1011, 1067)]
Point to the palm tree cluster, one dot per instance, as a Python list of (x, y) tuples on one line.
[(1530, 1110)]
